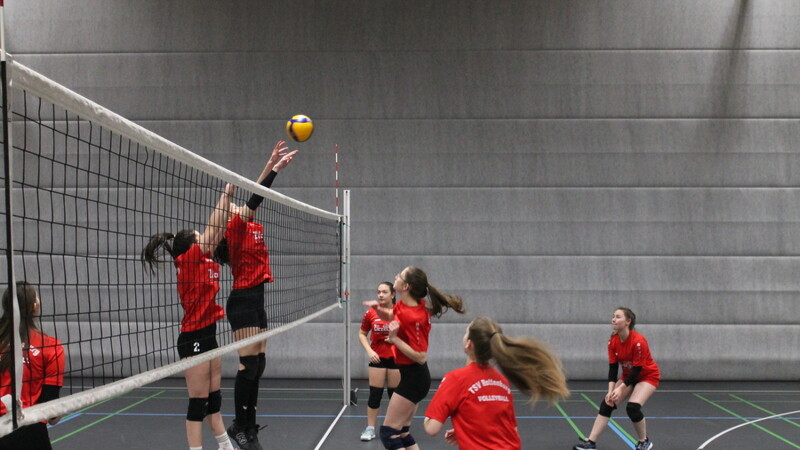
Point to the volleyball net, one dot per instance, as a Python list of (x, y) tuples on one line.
[(87, 189)]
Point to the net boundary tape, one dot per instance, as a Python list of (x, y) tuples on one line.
[(25, 78)]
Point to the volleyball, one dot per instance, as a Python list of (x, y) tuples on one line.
[(299, 128)]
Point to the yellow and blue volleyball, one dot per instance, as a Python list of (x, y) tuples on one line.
[(299, 128)]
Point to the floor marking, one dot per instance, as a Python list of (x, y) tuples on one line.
[(104, 418), (751, 422)]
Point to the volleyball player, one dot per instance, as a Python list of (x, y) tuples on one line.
[(479, 398), (42, 369), (382, 370), (408, 331), (639, 380), (198, 284), (245, 250)]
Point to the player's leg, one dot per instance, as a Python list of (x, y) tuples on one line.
[(197, 378), (642, 392), (214, 417), (377, 378)]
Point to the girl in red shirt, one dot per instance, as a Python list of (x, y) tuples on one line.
[(408, 331), (380, 353), (244, 249), (198, 284), (639, 379), (42, 369), (479, 398)]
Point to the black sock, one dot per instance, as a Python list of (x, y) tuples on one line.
[(241, 394)]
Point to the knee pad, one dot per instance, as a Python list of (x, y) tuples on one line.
[(634, 411), (250, 371), (262, 364), (389, 392), (605, 410), (408, 440), (386, 437), (214, 402), (375, 394), (197, 409)]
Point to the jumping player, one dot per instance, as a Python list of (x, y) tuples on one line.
[(640, 378), (409, 330), (382, 370), (479, 398), (198, 284), (42, 369), (245, 250)]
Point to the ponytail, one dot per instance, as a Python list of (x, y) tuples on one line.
[(526, 362), (180, 245), (440, 302)]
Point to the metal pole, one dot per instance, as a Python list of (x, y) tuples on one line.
[(346, 295), (16, 354)]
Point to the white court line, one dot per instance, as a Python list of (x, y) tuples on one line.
[(743, 424), (330, 428)]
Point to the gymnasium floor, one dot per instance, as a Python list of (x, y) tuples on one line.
[(681, 415)]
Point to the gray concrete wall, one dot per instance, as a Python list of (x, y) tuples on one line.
[(548, 160)]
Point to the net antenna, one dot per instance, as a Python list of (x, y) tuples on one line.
[(89, 188)]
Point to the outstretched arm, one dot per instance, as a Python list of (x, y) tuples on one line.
[(215, 229), (278, 160)]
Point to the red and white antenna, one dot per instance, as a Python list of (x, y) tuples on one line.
[(336, 171)]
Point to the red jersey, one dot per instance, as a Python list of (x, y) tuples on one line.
[(633, 352), (415, 326), (249, 256), (198, 284), (479, 400), (377, 329), (43, 363)]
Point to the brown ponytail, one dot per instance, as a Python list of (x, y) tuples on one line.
[(526, 362), (440, 302), (180, 245)]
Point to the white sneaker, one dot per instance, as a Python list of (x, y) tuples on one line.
[(368, 434)]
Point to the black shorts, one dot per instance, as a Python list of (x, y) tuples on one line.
[(245, 308), (385, 363), (33, 437), (415, 382), (192, 343)]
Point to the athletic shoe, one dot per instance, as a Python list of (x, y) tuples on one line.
[(645, 445), (241, 437), (585, 444), (252, 432), (368, 434)]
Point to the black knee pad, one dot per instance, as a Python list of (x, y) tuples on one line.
[(408, 440), (605, 410), (389, 392), (262, 364), (634, 411), (214, 402), (197, 409), (389, 442), (375, 394), (250, 371)]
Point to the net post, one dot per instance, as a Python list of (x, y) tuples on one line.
[(16, 354), (346, 295)]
